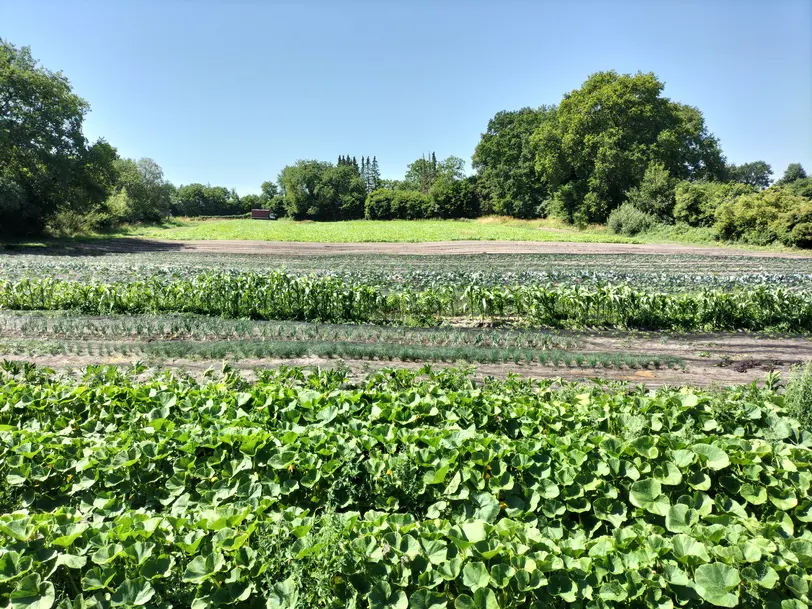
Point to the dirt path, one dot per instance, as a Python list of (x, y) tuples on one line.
[(129, 245)]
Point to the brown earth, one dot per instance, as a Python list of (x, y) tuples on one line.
[(709, 359), (280, 248)]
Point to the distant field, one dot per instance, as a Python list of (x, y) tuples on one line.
[(358, 231)]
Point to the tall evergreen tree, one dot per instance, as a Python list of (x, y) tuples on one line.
[(433, 162), (355, 164), (364, 174), (376, 174), (340, 160)]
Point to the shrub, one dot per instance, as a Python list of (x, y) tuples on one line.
[(454, 199), (765, 217), (628, 220), (696, 202), (69, 222), (384, 204), (655, 195), (801, 187), (798, 394)]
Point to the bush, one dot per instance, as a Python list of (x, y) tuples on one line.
[(801, 187), (655, 195), (765, 217), (454, 199), (384, 204), (628, 220), (69, 223), (798, 394), (696, 202)]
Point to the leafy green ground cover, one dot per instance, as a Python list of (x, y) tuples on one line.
[(356, 231), (400, 491), (284, 296)]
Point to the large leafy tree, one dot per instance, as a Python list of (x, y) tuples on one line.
[(756, 174), (424, 172), (317, 190), (45, 162), (505, 163), (206, 200), (793, 173), (149, 194), (599, 141)]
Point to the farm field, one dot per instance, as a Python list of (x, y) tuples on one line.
[(402, 490), (200, 429), (358, 231), (570, 315)]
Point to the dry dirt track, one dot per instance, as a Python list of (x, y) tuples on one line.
[(280, 248)]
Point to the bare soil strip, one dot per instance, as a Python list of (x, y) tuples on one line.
[(711, 359), (279, 248)]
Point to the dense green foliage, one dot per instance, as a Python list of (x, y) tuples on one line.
[(798, 396), (614, 140), (46, 164), (767, 216), (142, 194), (598, 142), (793, 173), (283, 296), (655, 195), (385, 204), (630, 220), (646, 272), (505, 164), (696, 202), (454, 199), (200, 200), (303, 491), (321, 191), (756, 174)]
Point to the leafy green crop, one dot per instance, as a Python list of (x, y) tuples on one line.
[(401, 491), (283, 296)]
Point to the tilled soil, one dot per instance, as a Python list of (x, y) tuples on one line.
[(710, 359), (131, 245)]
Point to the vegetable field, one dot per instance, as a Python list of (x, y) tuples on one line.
[(283, 296), (398, 491)]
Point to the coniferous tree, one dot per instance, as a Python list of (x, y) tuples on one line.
[(355, 164), (364, 174), (340, 160), (433, 162), (376, 174)]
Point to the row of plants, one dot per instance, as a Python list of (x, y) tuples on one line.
[(270, 349), (60, 324), (666, 273), (407, 489), (283, 296)]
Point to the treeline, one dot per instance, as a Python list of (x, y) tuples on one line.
[(614, 151)]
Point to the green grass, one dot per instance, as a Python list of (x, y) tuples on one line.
[(358, 231)]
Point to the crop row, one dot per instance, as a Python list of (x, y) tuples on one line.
[(304, 491), (282, 296), (385, 268), (198, 327), (419, 277), (270, 349)]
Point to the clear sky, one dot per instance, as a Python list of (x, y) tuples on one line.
[(230, 92)]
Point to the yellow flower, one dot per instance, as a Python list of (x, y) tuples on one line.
[(389, 472)]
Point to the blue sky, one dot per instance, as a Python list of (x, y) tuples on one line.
[(230, 92)]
